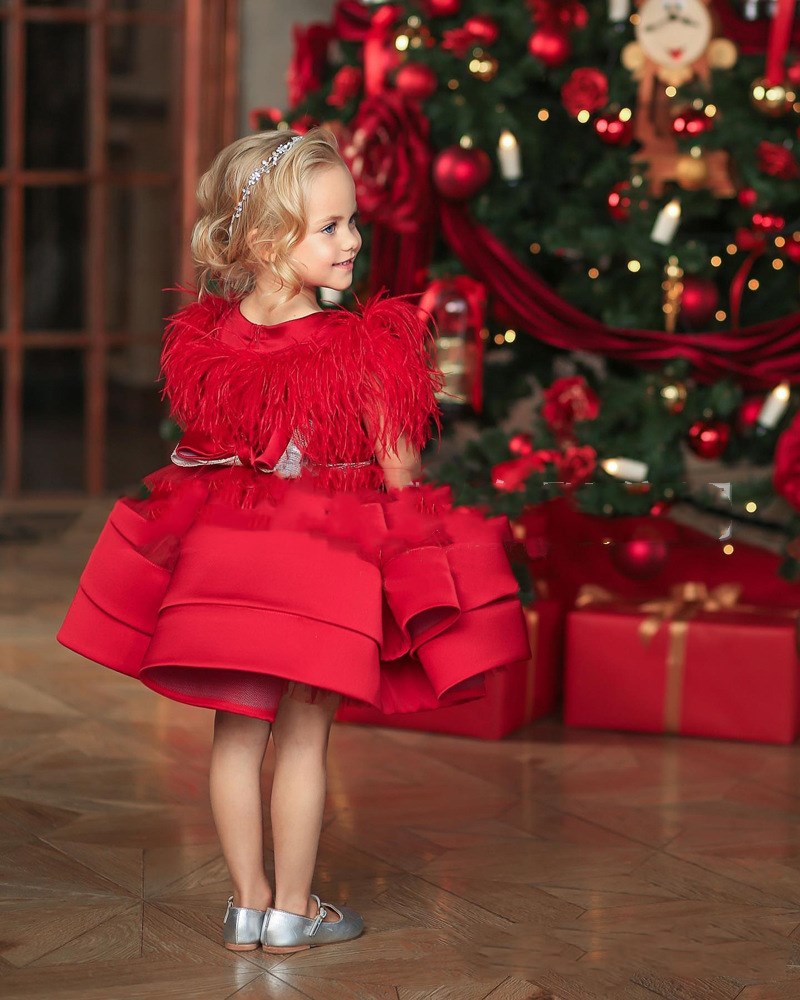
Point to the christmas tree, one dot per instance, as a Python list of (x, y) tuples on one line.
[(600, 206)]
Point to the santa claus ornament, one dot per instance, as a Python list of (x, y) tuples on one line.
[(673, 46)]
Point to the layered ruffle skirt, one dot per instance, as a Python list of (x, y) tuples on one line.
[(224, 587)]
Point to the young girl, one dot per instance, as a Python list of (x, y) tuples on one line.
[(282, 562)]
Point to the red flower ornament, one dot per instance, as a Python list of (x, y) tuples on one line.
[(567, 401), (777, 161)]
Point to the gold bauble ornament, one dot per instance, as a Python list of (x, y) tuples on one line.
[(691, 172), (483, 65), (674, 396), (412, 35), (772, 99)]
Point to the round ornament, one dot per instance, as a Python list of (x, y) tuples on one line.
[(673, 395), (747, 414), (642, 555), (483, 29), (483, 65), (709, 438), (413, 35), (416, 81), (699, 300), (613, 130), (673, 35), (772, 99), (460, 173), (550, 46), (747, 197), (689, 123), (691, 172), (792, 248), (521, 444), (619, 201)]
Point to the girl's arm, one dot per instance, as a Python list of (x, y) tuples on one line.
[(401, 465)]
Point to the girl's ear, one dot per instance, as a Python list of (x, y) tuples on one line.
[(261, 248)]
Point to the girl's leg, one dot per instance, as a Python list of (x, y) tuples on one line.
[(240, 743), (300, 736)]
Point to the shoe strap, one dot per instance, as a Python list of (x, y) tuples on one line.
[(230, 904)]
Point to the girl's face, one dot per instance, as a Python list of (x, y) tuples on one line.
[(326, 254)]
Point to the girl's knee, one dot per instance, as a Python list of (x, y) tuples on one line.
[(230, 726), (304, 719)]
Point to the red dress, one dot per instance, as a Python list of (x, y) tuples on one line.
[(269, 550)]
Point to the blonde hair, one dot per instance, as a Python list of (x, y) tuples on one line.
[(275, 209)]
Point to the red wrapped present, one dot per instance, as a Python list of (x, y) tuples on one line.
[(515, 694), (697, 663)]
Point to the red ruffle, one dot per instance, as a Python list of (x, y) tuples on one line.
[(396, 600)]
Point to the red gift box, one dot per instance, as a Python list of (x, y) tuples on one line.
[(684, 668), (515, 695)]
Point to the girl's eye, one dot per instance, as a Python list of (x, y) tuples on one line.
[(329, 229)]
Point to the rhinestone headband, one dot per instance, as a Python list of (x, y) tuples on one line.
[(257, 174)]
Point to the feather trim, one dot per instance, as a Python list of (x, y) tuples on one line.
[(370, 369)]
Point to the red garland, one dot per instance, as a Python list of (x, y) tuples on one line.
[(758, 356)]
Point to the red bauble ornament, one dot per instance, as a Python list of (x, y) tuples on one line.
[(459, 173), (690, 123), (709, 438), (483, 29), (550, 46), (642, 555), (521, 444), (748, 412), (416, 81), (747, 197), (699, 300), (619, 201), (792, 249), (442, 8), (612, 130)]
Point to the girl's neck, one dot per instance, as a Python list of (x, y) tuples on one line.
[(261, 306)]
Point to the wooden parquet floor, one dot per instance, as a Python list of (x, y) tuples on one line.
[(553, 864)]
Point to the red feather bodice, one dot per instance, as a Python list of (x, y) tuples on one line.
[(335, 384)]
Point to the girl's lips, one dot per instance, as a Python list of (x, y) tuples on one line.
[(346, 263)]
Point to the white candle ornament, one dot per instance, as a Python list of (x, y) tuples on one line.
[(629, 469), (330, 296), (508, 156), (667, 221), (618, 10), (774, 406)]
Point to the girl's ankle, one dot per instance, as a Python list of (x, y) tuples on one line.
[(261, 899), (296, 906)]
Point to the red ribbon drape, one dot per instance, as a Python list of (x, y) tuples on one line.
[(778, 43), (750, 37), (757, 356)]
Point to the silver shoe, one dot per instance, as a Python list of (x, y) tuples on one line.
[(284, 931), (242, 927)]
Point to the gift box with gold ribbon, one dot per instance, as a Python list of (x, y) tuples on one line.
[(515, 695), (695, 663)]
